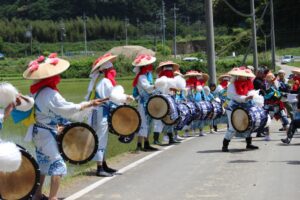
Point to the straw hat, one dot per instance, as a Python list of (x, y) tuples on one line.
[(224, 76), (281, 71), (166, 63), (102, 60), (201, 75), (178, 73), (296, 71), (241, 71), (143, 60), (42, 67)]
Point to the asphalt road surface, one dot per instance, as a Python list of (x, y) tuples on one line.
[(197, 169)]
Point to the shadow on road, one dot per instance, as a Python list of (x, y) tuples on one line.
[(286, 145), (220, 151), (242, 161), (289, 162)]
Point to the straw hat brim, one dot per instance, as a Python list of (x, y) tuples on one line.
[(178, 73), (241, 73), (174, 65), (296, 71), (224, 76), (204, 76), (144, 62), (192, 74), (111, 58), (47, 70)]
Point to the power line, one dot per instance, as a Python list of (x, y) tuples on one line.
[(237, 11)]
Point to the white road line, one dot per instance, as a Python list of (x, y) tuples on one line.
[(124, 169)]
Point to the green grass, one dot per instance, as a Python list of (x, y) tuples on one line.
[(288, 51), (295, 64)]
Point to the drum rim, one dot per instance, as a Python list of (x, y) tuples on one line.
[(168, 106), (62, 135), (174, 122), (110, 120), (26, 154), (247, 115)]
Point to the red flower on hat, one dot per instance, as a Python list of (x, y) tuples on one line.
[(141, 57), (101, 58)]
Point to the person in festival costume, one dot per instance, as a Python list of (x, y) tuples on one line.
[(10, 155), (102, 87), (51, 111), (142, 90), (273, 99), (220, 92), (238, 90), (195, 81), (295, 123), (284, 89), (165, 83), (295, 89)]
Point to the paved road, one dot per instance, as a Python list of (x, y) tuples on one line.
[(197, 169), (288, 69)]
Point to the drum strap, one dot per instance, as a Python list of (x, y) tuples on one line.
[(93, 94)]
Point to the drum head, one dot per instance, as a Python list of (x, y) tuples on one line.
[(168, 121), (21, 184), (240, 120), (125, 120), (78, 143), (157, 107)]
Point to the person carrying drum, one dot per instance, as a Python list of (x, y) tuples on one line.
[(195, 81), (274, 103), (284, 89), (295, 123), (51, 111), (241, 84), (166, 70), (101, 87), (142, 90), (10, 99)]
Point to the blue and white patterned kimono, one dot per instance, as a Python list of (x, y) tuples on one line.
[(1, 118), (197, 96), (51, 109), (145, 89), (99, 118)]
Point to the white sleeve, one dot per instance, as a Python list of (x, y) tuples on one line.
[(58, 105), (218, 89), (144, 83), (104, 88), (231, 93)]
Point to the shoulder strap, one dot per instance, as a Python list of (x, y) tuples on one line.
[(93, 92)]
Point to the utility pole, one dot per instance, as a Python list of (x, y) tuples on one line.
[(62, 36), (126, 34), (255, 57), (273, 45), (85, 36), (175, 45), (210, 38), (163, 26)]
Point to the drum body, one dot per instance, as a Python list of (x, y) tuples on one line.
[(78, 143), (160, 106), (124, 120), (205, 108), (168, 121), (21, 184), (184, 116), (249, 120), (194, 111), (217, 110)]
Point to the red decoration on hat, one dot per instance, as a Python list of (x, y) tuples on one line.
[(141, 57), (101, 58)]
